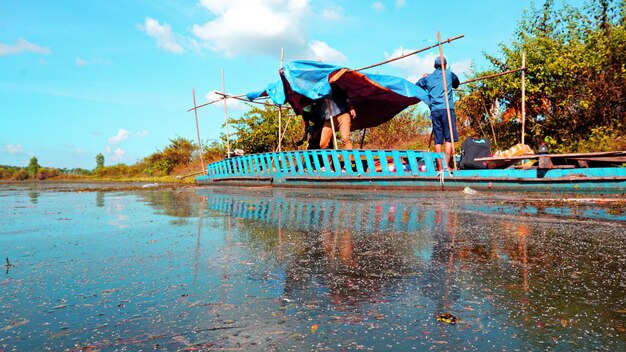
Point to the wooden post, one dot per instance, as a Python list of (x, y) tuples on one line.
[(445, 90), (195, 111), (226, 117), (280, 110), (523, 94)]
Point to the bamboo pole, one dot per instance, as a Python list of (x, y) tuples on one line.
[(280, 110), (489, 116), (445, 90), (523, 94), (205, 104), (413, 52), (223, 94), (239, 97), (226, 118), (491, 76), (285, 129), (332, 123), (195, 112)]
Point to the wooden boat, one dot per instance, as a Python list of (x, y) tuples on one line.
[(411, 169)]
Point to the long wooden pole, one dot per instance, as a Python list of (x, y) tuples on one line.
[(285, 130), (413, 52), (523, 94), (491, 76), (445, 90), (205, 104), (226, 117), (332, 123), (280, 110), (195, 112)]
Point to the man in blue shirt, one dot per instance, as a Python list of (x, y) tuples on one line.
[(433, 84)]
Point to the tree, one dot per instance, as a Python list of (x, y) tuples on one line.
[(99, 161), (33, 167), (180, 151), (576, 80), (257, 130)]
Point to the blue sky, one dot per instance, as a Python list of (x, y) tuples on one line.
[(82, 77)]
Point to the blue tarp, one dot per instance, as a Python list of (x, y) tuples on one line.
[(376, 98)]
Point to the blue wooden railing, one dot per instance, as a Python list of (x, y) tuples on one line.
[(326, 163)]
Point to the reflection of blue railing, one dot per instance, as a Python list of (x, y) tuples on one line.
[(326, 214), (327, 163)]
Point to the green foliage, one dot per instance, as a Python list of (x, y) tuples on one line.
[(33, 167), (179, 152), (257, 130), (46, 173), (213, 151), (99, 161), (575, 82), (120, 171), (20, 175), (403, 131)]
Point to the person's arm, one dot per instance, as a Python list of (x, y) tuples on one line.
[(455, 81), (351, 108), (423, 83)]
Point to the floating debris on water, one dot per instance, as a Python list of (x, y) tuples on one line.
[(447, 318)]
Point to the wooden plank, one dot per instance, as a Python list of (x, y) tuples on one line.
[(545, 162), (586, 156)]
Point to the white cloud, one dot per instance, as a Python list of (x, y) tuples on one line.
[(464, 66), (378, 6), (122, 134), (142, 134), (400, 3), (116, 155), (261, 26), (14, 149), (334, 14), (416, 66), (323, 52), (231, 104), (20, 46), (163, 35), (81, 62)]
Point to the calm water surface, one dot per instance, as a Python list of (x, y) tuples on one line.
[(262, 269)]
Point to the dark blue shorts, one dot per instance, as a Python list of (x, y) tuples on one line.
[(441, 129)]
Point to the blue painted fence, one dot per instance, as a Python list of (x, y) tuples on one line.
[(397, 169), (326, 163)]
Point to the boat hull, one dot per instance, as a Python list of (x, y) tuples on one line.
[(393, 169)]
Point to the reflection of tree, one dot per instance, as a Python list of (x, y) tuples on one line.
[(100, 199), (34, 196), (439, 279), (179, 204)]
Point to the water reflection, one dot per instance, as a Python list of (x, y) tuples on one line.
[(100, 199), (250, 269), (520, 281)]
